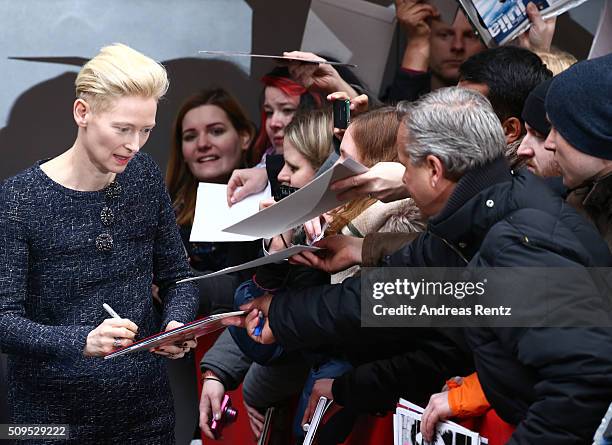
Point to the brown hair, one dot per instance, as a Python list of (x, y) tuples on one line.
[(375, 135), (182, 185)]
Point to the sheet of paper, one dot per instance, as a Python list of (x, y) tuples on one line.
[(276, 257), (212, 213), (280, 59), (310, 201), (602, 42), (354, 31)]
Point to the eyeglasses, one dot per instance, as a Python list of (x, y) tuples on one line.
[(104, 241)]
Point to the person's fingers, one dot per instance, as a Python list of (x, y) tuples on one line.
[(346, 183), (122, 322), (338, 95), (312, 403), (253, 428), (312, 228), (233, 321), (171, 349), (118, 332), (188, 344), (533, 13), (240, 194), (205, 415), (234, 182), (251, 321), (259, 416), (430, 418), (215, 405), (312, 258), (299, 259), (425, 418), (258, 424)]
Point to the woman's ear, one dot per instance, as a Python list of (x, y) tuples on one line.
[(245, 140), (81, 112), (513, 129)]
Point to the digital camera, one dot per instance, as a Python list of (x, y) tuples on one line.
[(228, 415)]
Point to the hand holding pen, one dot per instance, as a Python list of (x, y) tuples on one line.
[(113, 333), (256, 321)]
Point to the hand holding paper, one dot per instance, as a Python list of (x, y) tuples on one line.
[(310, 201), (178, 350)]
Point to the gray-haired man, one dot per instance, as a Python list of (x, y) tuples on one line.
[(482, 215)]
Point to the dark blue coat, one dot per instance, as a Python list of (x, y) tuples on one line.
[(53, 281)]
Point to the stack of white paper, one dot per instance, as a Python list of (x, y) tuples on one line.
[(407, 429)]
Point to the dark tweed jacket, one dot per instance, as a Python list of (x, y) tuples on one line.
[(55, 273)]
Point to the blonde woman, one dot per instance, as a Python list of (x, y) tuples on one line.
[(93, 226)]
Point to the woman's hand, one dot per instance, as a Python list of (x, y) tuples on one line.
[(178, 350), (321, 77), (358, 105), (111, 334), (210, 402), (245, 182)]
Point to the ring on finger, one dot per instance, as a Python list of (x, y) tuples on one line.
[(117, 342)]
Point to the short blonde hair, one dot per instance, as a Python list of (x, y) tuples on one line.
[(311, 133), (557, 60), (119, 71)]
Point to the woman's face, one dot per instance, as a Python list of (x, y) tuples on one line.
[(113, 137), (348, 148), (297, 171), (279, 109), (211, 146)]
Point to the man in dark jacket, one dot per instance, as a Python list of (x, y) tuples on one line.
[(579, 108), (554, 384)]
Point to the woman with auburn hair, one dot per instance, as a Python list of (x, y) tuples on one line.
[(211, 137), (94, 225)]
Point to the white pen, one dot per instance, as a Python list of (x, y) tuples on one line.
[(110, 311)]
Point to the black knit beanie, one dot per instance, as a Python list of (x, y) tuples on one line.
[(534, 112), (579, 106)]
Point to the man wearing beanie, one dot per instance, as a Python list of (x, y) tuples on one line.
[(537, 159), (579, 108)]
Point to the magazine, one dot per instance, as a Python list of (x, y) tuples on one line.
[(183, 333), (322, 406), (407, 429), (501, 21)]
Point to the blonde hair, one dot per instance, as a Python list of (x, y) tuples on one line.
[(119, 71), (311, 133), (556, 60)]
